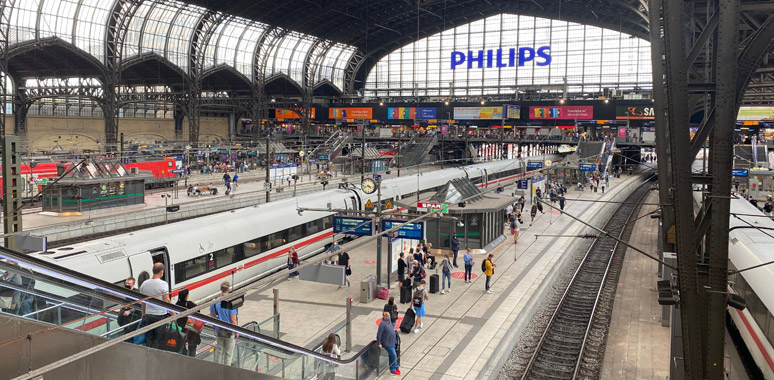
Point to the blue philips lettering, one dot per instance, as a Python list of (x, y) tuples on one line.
[(479, 59), (496, 57), (500, 58), (545, 53), (525, 55), (457, 58)]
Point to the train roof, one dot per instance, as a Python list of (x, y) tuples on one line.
[(751, 242)]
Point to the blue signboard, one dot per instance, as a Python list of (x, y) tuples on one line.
[(323, 157), (739, 172), (199, 155), (126, 161), (348, 224), (414, 231), (587, 167), (538, 178), (426, 113), (377, 177), (178, 171), (522, 184), (531, 165)]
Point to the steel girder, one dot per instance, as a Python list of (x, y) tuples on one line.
[(269, 39), (312, 63), (353, 68)]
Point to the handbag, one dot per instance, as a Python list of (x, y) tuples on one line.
[(172, 340), (139, 339), (194, 325)]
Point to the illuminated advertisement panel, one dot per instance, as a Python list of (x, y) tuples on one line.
[(350, 113), (561, 112), (410, 113), (283, 113), (477, 113)]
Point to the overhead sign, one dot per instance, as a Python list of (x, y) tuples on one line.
[(410, 113), (352, 225), (178, 171), (740, 172), (522, 184), (414, 231), (283, 113), (434, 207), (501, 58), (477, 113), (587, 167), (534, 165), (561, 112), (39, 181), (635, 113), (323, 157), (538, 178), (350, 113)]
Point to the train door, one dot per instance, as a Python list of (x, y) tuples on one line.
[(160, 255), (142, 267), (485, 177)]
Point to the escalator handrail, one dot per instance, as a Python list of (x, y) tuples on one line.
[(121, 292)]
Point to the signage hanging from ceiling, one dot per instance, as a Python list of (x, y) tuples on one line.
[(500, 58), (561, 112), (284, 113), (635, 113), (756, 113), (359, 113)]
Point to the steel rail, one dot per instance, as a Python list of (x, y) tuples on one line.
[(566, 295)]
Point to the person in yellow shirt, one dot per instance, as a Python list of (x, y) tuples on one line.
[(489, 272)]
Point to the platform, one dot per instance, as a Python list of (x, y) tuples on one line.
[(467, 334), (637, 345)]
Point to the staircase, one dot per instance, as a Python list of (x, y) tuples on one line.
[(333, 145), (418, 149)]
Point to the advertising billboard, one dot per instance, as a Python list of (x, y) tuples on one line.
[(756, 113), (283, 113), (350, 113), (561, 112), (635, 113), (411, 113), (477, 113)]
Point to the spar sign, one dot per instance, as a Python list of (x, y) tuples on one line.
[(502, 58)]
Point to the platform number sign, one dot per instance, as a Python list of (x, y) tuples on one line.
[(211, 261), (522, 184)]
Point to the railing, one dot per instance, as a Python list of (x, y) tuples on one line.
[(63, 298)]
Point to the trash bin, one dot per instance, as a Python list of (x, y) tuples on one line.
[(368, 289)]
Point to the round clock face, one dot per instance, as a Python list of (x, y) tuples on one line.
[(368, 186)]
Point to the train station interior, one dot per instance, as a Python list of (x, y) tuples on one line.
[(417, 189)]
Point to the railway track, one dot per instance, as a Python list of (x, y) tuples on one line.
[(574, 340)]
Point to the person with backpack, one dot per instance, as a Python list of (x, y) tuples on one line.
[(292, 263), (418, 302), (392, 308), (386, 338), (345, 262), (418, 274), (522, 202), (446, 269), (488, 268), (468, 258), (533, 213)]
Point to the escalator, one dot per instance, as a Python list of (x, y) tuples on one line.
[(52, 302)]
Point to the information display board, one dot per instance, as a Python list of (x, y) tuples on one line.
[(414, 231), (740, 172), (532, 165), (359, 113), (349, 225), (587, 167)]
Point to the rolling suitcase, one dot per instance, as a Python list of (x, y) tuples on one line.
[(405, 294), (408, 321), (434, 283)]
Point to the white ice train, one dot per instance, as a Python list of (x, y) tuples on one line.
[(751, 243), (246, 244)]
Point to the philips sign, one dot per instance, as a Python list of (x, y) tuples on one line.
[(496, 58)]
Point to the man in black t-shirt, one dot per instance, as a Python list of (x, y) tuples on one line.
[(344, 261)]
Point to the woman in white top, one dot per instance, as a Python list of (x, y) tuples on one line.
[(330, 347)]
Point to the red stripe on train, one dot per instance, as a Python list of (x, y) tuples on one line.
[(757, 340), (92, 325), (253, 263)]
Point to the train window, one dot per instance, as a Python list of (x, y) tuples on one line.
[(191, 268), (770, 329), (252, 247), (224, 257), (170, 164), (312, 228), (295, 233)]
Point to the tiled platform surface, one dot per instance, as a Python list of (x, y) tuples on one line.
[(638, 346), (466, 333)]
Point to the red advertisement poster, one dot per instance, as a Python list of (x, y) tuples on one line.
[(561, 112), (283, 113)]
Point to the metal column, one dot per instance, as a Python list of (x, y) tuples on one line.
[(12, 201)]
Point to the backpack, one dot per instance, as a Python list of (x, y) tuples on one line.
[(483, 265), (418, 298), (446, 266)]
